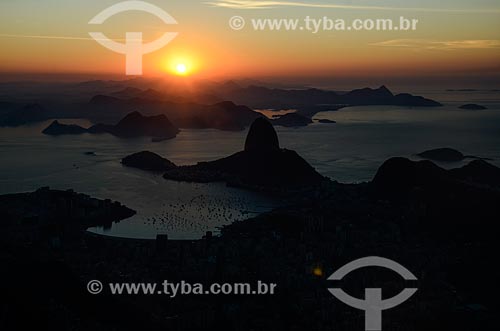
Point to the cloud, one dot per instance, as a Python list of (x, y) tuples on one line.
[(20, 36), (440, 45), (248, 4), (42, 37)]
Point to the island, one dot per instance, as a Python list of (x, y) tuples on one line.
[(292, 120), (148, 161), (56, 129), (133, 125), (261, 166), (473, 106), (326, 121), (224, 115), (218, 105)]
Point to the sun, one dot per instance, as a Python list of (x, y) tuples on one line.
[(181, 69), (181, 64)]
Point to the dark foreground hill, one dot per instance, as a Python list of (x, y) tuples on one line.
[(441, 225), (446, 155)]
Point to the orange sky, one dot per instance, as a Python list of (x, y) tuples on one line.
[(451, 40)]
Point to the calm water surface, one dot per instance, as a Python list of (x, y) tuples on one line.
[(349, 151)]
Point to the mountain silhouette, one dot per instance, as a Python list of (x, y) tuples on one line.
[(261, 137), (137, 125), (225, 115), (265, 98), (263, 165), (57, 129), (132, 125), (472, 106), (147, 161), (292, 120), (449, 200), (445, 154)]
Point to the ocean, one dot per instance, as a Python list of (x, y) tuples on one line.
[(349, 151)]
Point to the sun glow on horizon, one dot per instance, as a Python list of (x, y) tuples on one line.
[(181, 69), (180, 65)]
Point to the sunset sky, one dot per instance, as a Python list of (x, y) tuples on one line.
[(455, 38)]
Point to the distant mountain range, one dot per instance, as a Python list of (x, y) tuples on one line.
[(223, 115), (202, 107), (228, 116), (132, 125), (269, 98)]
